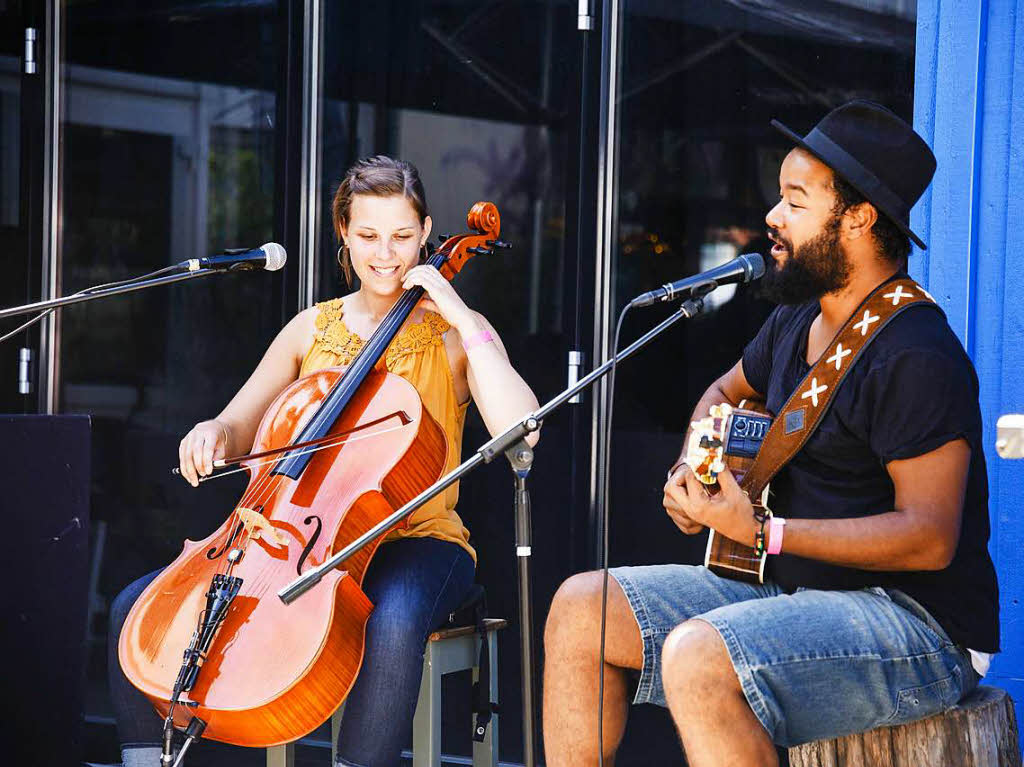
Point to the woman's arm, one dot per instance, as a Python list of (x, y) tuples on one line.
[(233, 430), (500, 393)]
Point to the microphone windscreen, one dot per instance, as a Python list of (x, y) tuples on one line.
[(277, 255), (756, 262)]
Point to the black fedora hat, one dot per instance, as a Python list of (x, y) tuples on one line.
[(877, 152)]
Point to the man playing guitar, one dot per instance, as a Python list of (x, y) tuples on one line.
[(879, 603)]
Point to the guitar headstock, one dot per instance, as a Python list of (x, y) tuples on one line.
[(485, 221), (705, 450)]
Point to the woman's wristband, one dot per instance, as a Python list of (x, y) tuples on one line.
[(482, 337)]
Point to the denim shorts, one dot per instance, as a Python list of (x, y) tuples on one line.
[(812, 664)]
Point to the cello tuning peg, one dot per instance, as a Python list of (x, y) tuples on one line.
[(500, 244), (442, 237)]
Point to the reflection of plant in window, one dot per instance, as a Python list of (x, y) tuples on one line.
[(241, 201)]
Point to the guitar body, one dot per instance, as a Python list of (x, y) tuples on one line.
[(729, 438)]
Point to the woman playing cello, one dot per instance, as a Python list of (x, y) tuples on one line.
[(450, 354)]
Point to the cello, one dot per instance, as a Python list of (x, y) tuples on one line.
[(208, 642)]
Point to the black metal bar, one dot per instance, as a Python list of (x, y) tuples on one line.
[(77, 298)]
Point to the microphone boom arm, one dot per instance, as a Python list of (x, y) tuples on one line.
[(56, 303)]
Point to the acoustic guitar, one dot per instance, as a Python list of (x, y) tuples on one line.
[(729, 437)]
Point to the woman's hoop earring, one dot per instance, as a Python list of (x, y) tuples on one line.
[(341, 250)]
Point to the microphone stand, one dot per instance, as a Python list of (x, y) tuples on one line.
[(512, 443), (76, 298)]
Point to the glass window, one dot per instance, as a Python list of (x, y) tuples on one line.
[(10, 139), (168, 154), (481, 98), (697, 172)]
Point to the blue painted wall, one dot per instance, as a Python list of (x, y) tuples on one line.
[(969, 106)]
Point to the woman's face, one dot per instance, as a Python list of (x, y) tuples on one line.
[(384, 237)]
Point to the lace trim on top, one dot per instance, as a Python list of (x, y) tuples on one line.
[(333, 335)]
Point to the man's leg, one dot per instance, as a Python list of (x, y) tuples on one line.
[(572, 646), (644, 605), (809, 665), (714, 720)]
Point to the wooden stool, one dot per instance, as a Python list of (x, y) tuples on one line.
[(448, 650), (980, 731)]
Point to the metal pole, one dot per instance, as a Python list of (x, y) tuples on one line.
[(309, 192), (520, 456), (49, 332)]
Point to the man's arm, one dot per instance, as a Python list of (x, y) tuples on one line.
[(921, 533)]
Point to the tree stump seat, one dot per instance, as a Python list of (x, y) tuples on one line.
[(980, 731)]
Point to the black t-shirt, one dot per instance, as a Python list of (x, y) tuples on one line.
[(913, 390)]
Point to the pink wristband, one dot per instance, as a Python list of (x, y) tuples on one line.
[(776, 528), (476, 339)]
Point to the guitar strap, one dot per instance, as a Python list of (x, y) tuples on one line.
[(809, 402)]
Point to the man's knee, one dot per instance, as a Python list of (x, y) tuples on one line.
[(574, 621), (575, 609), (694, 653)]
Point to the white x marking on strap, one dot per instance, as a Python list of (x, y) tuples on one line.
[(838, 356), (865, 323), (897, 295), (813, 392)]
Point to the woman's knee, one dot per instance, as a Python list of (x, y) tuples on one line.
[(126, 599)]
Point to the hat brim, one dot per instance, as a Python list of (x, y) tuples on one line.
[(799, 141)]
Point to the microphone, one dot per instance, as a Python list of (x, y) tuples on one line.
[(269, 256), (745, 268)]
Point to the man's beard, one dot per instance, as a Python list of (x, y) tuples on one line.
[(816, 268)]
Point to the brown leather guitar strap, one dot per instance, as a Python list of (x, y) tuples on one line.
[(809, 402)]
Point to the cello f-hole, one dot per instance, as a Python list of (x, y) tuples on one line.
[(311, 543), (216, 553)]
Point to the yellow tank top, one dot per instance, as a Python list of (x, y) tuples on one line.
[(418, 355)]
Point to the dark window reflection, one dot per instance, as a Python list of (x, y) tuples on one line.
[(10, 138), (168, 155), (698, 172), (480, 97)]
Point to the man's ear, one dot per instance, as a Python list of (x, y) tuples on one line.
[(859, 219)]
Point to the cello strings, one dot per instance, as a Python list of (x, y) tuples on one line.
[(263, 490), (268, 488)]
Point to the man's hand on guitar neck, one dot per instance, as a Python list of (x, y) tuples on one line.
[(691, 508), (732, 388)]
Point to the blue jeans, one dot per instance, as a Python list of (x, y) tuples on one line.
[(414, 584), (812, 664)]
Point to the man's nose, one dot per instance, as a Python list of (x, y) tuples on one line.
[(772, 218)]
